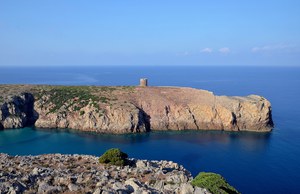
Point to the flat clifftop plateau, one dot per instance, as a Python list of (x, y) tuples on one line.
[(127, 109), (57, 173)]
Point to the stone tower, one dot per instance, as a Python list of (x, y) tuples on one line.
[(144, 82)]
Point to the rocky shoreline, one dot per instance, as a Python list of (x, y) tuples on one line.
[(57, 173), (130, 109)]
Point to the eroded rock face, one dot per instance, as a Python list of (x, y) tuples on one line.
[(140, 109), (18, 111), (187, 108), (116, 119)]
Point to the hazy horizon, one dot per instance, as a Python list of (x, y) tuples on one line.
[(149, 33)]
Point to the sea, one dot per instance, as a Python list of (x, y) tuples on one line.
[(251, 162)]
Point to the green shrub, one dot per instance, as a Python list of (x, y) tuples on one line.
[(114, 156), (215, 183), (81, 112), (80, 96), (103, 99), (76, 108)]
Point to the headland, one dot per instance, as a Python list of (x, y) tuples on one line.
[(130, 109)]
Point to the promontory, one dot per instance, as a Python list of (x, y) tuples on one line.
[(130, 109)]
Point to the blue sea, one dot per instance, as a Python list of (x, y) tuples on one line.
[(252, 162)]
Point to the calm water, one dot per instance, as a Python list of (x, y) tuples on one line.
[(253, 163)]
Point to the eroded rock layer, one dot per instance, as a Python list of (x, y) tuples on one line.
[(130, 109)]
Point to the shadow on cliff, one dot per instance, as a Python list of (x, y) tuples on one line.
[(18, 111), (31, 113), (145, 120)]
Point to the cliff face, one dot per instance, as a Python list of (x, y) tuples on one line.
[(187, 108), (133, 109), (17, 111), (117, 119)]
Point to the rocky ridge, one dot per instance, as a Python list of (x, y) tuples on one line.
[(130, 109), (56, 173)]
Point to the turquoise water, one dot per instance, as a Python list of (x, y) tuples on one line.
[(252, 162)]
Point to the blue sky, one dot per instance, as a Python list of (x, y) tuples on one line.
[(149, 32)]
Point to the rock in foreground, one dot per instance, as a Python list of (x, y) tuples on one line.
[(130, 109), (56, 173)]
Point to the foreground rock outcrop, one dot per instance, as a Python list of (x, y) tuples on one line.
[(130, 109), (56, 173)]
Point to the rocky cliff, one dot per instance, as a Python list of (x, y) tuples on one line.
[(18, 111), (130, 109)]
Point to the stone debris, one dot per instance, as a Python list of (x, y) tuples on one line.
[(57, 173)]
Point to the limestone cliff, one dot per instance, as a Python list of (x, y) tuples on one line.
[(130, 109), (17, 111)]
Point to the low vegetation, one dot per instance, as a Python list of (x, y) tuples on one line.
[(114, 156), (74, 97), (81, 112), (215, 183)]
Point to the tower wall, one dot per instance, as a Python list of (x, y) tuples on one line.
[(144, 82)]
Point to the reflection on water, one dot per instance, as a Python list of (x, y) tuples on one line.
[(247, 141)]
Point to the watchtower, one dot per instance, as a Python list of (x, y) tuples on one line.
[(144, 82)]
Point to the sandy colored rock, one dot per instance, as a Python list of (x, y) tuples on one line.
[(131, 109)]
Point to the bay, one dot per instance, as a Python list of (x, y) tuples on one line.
[(252, 162)]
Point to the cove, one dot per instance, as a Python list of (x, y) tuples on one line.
[(253, 163), (232, 153)]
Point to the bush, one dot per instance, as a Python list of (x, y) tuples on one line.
[(215, 183), (114, 156)]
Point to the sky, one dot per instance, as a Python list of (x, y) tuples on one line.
[(149, 32)]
